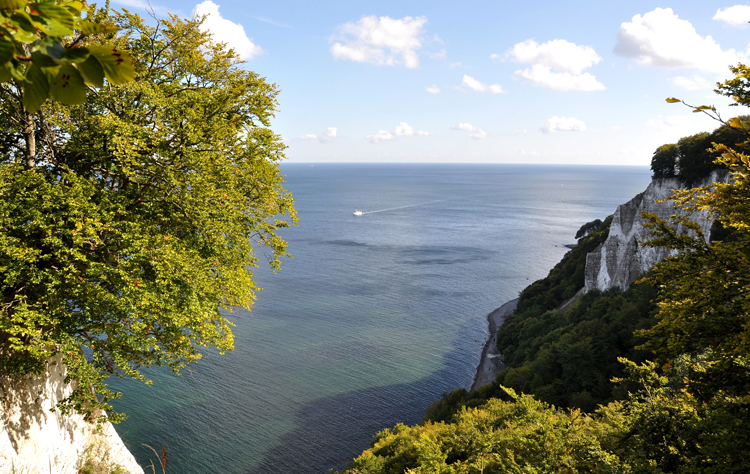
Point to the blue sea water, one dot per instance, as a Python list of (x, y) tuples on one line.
[(374, 318)]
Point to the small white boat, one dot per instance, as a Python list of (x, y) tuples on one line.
[(357, 212)]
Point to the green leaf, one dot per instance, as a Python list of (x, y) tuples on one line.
[(75, 55), (24, 29), (92, 71), (672, 100), (36, 89), (51, 48), (16, 72), (68, 87), (117, 64), (90, 28), (6, 50), (12, 4), (42, 60), (59, 19), (4, 73)]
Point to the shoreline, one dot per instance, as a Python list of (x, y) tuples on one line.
[(491, 361)]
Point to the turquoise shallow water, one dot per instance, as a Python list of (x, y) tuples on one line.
[(375, 316)]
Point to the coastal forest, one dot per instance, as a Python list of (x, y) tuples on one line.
[(130, 212), (652, 379)]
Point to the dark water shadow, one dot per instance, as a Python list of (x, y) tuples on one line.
[(334, 430)]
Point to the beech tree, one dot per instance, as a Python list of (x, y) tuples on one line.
[(141, 212)]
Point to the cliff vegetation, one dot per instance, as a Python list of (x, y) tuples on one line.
[(679, 339)]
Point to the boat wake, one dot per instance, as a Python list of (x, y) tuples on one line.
[(361, 213)]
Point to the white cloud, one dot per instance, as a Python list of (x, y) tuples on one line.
[(474, 132), (453, 65), (559, 81), (433, 89), (617, 128), (691, 83), (225, 31), (673, 127), (442, 54), (403, 129), (478, 86), (737, 15), (557, 54), (564, 124), (478, 135), (382, 135), (380, 40), (329, 135), (567, 59), (660, 39), (670, 122), (324, 137)]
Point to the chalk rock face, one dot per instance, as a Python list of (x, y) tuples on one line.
[(621, 260), (34, 439)]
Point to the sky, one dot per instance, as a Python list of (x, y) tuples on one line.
[(574, 82)]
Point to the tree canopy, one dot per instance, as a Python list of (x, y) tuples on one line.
[(692, 158), (139, 215)]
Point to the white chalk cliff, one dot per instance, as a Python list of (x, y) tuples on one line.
[(35, 439), (621, 259)]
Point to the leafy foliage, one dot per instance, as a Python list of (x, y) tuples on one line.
[(664, 161), (43, 49), (142, 213), (520, 435), (562, 283), (565, 357), (588, 227), (570, 356), (692, 158), (689, 413)]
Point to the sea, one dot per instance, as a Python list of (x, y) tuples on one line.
[(373, 318)]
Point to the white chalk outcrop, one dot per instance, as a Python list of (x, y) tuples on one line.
[(34, 439), (621, 259)]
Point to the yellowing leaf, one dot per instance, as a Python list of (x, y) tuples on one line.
[(735, 123), (57, 18), (11, 4), (117, 64), (90, 28), (672, 100)]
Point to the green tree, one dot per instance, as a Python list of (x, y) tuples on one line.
[(141, 214), (664, 161)]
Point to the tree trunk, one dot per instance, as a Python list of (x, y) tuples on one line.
[(29, 134)]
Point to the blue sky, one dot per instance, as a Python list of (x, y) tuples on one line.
[(575, 82)]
